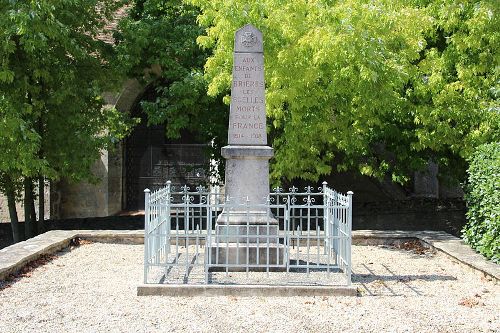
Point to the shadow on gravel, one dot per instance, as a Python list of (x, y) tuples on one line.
[(404, 279)]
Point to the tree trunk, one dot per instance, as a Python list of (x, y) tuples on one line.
[(41, 205), (41, 180), (29, 209), (33, 211), (14, 221)]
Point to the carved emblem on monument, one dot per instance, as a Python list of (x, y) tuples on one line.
[(248, 39)]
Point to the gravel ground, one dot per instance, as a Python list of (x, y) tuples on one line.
[(321, 269), (92, 288)]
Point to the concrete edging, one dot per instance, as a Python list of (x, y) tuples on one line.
[(182, 290), (14, 257), (452, 246)]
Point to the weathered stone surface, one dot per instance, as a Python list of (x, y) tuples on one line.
[(248, 39), (247, 233), (247, 117), (256, 256), (242, 290), (426, 183), (247, 156), (247, 165), (247, 152), (247, 175), (14, 257)]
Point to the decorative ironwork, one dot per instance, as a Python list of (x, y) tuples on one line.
[(150, 165), (314, 232)]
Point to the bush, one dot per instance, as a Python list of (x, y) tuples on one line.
[(482, 230)]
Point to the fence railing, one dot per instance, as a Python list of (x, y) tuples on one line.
[(295, 237)]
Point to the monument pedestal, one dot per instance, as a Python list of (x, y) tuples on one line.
[(246, 233), (247, 174)]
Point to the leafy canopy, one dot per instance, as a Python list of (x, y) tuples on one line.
[(53, 68), (380, 86), (162, 35)]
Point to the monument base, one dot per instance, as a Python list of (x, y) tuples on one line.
[(240, 216), (249, 239), (247, 233), (255, 257)]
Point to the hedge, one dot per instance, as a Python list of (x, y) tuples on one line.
[(482, 230)]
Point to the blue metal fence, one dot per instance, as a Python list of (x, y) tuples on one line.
[(305, 239)]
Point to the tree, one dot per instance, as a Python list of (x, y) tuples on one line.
[(455, 92), (18, 146), (163, 34), (353, 82), (53, 68)]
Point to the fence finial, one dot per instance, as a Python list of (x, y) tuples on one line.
[(350, 193), (147, 190)]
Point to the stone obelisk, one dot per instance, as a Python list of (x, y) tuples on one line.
[(247, 154)]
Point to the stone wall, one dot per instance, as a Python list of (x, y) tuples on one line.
[(106, 197), (70, 200), (367, 189), (115, 184), (82, 199)]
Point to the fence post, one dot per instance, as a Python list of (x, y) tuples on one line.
[(326, 220), (208, 238), (349, 240), (168, 213), (147, 193), (335, 232)]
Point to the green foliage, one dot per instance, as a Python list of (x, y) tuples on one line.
[(455, 93), (53, 68), (18, 142), (482, 231), (161, 35), (378, 86)]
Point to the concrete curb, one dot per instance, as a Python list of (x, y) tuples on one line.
[(441, 241), (14, 257), (456, 248), (182, 290)]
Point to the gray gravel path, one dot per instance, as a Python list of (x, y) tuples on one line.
[(93, 289)]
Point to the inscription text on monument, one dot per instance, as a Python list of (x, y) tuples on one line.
[(247, 117)]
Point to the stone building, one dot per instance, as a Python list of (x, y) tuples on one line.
[(145, 159)]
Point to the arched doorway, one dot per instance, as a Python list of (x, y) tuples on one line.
[(150, 159)]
